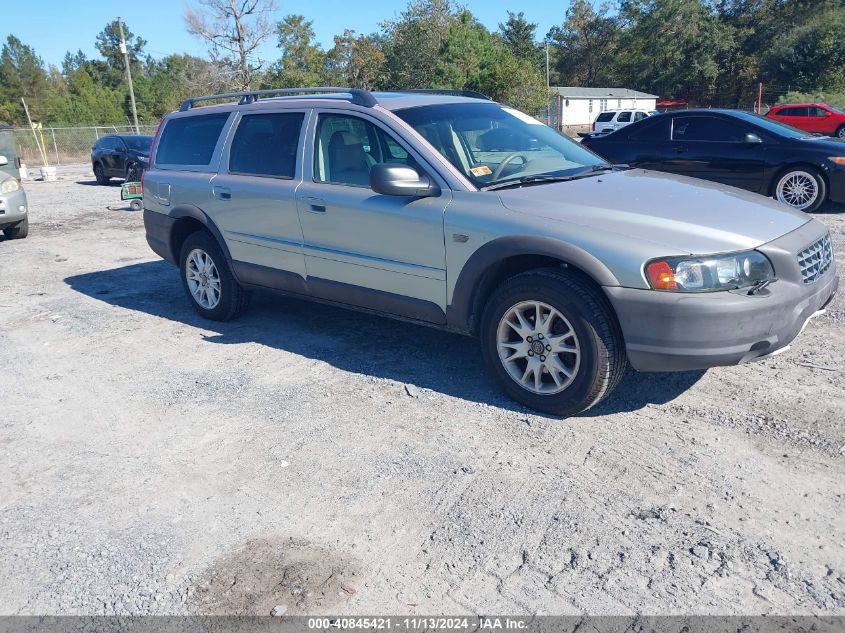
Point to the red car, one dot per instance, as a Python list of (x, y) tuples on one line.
[(811, 117)]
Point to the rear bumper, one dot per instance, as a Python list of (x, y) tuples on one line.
[(158, 227), (13, 208), (666, 331)]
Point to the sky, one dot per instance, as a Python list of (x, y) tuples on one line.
[(59, 26)]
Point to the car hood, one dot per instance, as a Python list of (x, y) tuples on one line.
[(826, 143), (686, 215)]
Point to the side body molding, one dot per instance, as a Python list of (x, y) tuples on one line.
[(479, 273)]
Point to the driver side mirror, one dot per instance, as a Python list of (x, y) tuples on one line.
[(392, 179), (3, 161), (753, 139)]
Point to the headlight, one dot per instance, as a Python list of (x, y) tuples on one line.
[(709, 272), (9, 185)]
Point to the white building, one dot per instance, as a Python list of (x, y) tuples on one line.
[(580, 106)]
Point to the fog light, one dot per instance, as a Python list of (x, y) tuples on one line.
[(22, 209)]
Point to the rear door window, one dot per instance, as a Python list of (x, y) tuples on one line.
[(190, 140), (266, 145), (651, 131), (624, 117)]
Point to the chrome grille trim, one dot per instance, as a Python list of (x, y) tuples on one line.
[(815, 260)]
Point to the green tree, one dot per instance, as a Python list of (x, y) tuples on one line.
[(811, 54), (303, 60), (413, 43), (472, 58), (585, 46), (671, 47), (22, 74), (85, 102), (356, 61), (519, 35)]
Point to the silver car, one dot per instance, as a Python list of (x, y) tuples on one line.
[(464, 214), (14, 218)]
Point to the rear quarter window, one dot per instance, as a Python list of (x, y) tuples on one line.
[(604, 117), (190, 140)]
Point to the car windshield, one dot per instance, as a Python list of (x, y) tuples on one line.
[(139, 143), (835, 109), (492, 144)]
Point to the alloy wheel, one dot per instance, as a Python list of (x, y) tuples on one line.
[(538, 347), (798, 189), (203, 279)]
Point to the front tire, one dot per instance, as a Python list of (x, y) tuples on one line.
[(840, 133), (18, 232), (208, 281), (551, 341), (802, 188), (100, 174)]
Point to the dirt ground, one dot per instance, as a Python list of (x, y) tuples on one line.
[(334, 462)]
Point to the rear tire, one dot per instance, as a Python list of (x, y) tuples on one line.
[(583, 353), (208, 281), (17, 232), (100, 174)]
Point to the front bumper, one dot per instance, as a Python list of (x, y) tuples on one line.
[(13, 208), (836, 180), (667, 331)]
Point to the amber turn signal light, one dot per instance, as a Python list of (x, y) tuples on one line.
[(662, 276)]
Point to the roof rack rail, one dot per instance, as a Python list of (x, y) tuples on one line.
[(358, 96), (455, 93)]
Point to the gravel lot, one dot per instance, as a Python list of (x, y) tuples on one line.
[(330, 461)]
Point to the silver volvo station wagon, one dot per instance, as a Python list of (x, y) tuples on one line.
[(454, 211)]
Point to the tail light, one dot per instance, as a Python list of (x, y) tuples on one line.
[(594, 126)]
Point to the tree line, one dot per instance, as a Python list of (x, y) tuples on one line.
[(709, 52)]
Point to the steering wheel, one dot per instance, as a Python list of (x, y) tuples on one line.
[(506, 161)]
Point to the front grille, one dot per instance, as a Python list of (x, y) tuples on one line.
[(816, 259)]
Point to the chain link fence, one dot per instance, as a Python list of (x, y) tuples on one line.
[(66, 145)]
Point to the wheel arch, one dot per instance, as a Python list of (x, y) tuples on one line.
[(799, 165), (189, 219), (505, 257)]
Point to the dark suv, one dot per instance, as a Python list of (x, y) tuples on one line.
[(120, 156)]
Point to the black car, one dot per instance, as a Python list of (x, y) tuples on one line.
[(120, 156), (735, 148)]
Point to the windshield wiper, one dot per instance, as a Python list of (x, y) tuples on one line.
[(526, 180), (540, 179)]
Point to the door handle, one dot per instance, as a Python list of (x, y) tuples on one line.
[(316, 205), (221, 193)]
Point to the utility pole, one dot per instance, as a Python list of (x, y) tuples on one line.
[(128, 76), (760, 98)]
